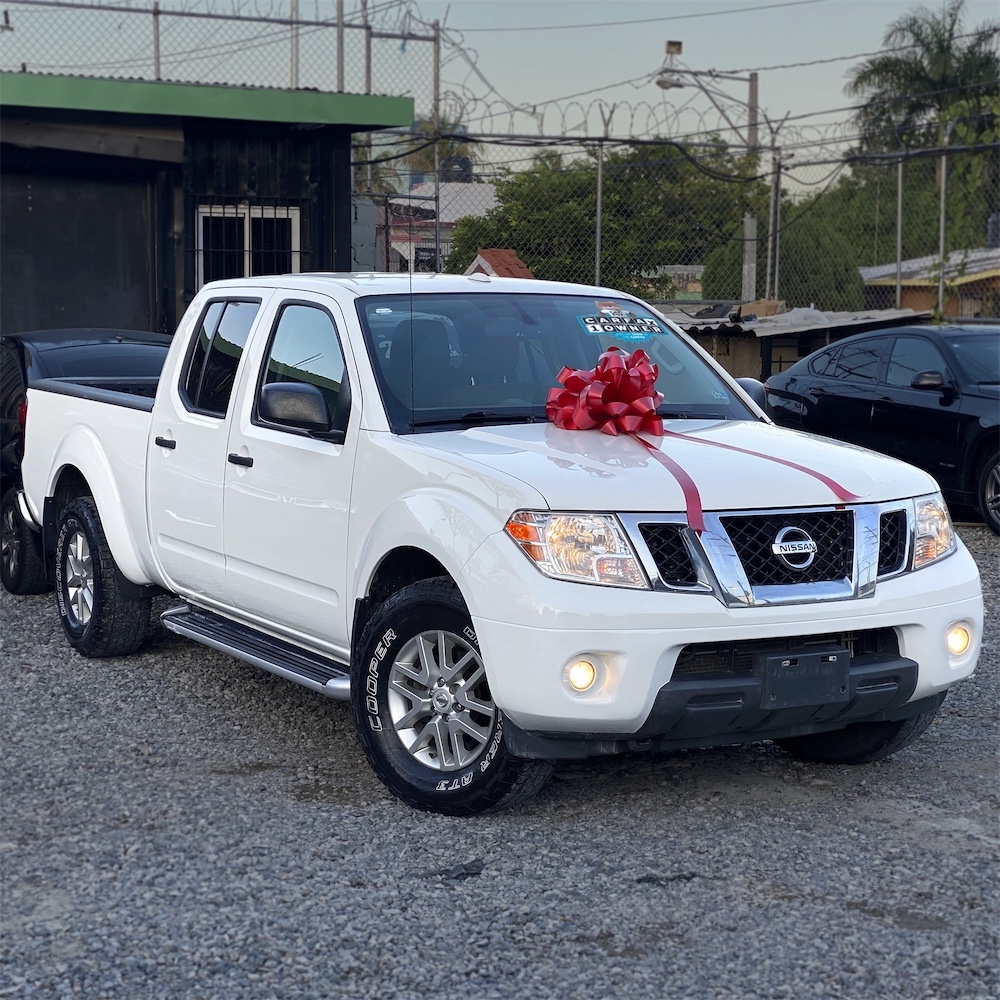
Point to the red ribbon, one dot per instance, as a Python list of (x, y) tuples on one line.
[(619, 397)]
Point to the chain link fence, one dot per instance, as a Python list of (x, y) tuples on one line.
[(189, 42), (701, 227)]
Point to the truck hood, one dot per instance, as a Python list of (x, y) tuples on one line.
[(588, 470)]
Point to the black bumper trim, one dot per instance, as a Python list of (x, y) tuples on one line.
[(725, 711)]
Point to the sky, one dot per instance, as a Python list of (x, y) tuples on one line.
[(565, 47)]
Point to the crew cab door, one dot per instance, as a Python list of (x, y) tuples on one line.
[(918, 425), (288, 490), (186, 460)]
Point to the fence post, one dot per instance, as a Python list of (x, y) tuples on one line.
[(899, 233), (437, 146), (156, 41), (777, 223), (295, 44), (340, 46), (600, 196)]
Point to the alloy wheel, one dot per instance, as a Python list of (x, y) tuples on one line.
[(79, 566), (11, 543), (439, 700)]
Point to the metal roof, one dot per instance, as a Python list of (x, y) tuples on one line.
[(961, 266), (797, 321), (188, 100)]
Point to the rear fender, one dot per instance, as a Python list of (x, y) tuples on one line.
[(82, 450)]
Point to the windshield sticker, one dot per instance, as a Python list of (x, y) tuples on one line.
[(621, 324), (720, 395)]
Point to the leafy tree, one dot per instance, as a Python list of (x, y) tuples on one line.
[(817, 266), (421, 144), (930, 63), (661, 206)]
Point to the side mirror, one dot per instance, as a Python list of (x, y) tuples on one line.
[(297, 405), (755, 390), (927, 380)]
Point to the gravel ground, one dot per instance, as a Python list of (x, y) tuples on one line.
[(177, 824)]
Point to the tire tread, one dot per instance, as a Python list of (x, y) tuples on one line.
[(119, 624)]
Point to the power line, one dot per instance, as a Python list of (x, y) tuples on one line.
[(646, 20), (831, 59)]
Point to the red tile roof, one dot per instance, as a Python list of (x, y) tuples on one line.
[(501, 263)]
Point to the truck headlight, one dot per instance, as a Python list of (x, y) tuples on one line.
[(933, 535), (587, 548)]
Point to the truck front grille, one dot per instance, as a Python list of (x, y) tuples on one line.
[(753, 536), (892, 535), (673, 561)]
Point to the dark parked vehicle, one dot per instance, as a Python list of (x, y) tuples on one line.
[(929, 395), (97, 357)]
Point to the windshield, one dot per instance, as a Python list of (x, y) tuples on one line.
[(490, 357), (978, 356)]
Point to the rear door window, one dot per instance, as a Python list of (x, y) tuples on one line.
[(215, 357), (858, 362)]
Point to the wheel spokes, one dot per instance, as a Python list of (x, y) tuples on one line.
[(79, 571), (439, 700)]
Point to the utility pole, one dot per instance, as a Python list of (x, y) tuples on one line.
[(941, 218), (674, 76)]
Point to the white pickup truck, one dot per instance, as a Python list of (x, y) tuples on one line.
[(352, 481)]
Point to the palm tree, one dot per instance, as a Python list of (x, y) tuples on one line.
[(929, 64)]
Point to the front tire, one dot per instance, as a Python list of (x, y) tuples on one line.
[(988, 493), (22, 570), (423, 709), (861, 743), (99, 619)]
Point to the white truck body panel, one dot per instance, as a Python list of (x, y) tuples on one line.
[(293, 542)]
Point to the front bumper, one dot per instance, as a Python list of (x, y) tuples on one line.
[(724, 712), (531, 629)]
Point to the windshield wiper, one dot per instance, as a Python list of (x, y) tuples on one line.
[(669, 414), (477, 418)]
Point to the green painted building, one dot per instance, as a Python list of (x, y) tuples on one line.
[(119, 199)]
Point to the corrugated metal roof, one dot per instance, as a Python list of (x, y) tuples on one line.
[(797, 321), (960, 265)]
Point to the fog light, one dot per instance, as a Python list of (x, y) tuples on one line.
[(581, 675), (958, 640)]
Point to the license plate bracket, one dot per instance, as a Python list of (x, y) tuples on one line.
[(816, 676)]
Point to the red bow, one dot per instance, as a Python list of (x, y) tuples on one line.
[(618, 396)]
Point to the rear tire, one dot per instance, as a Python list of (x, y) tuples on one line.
[(988, 493), (99, 619), (858, 744), (423, 709), (22, 570)]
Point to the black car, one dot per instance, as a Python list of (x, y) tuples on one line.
[(929, 395), (102, 355)]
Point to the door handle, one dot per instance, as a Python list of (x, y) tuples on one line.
[(240, 459), (166, 442)]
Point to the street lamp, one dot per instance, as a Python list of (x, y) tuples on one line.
[(671, 77)]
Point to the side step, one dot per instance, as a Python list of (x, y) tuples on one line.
[(327, 676)]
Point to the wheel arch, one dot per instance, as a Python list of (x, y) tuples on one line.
[(425, 535), (987, 445), (81, 468)]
